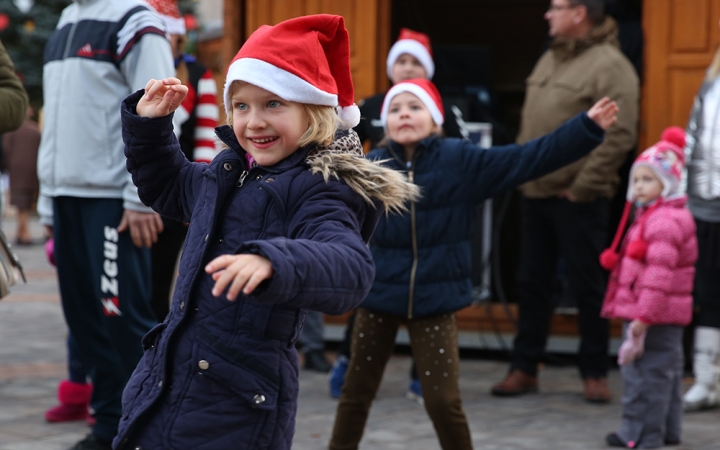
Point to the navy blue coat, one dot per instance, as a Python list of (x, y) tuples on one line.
[(219, 374), (454, 175)]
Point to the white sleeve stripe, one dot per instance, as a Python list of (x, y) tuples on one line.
[(136, 23), (207, 86), (205, 133), (207, 111), (204, 154)]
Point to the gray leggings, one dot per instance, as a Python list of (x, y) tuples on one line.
[(652, 399), (435, 347)]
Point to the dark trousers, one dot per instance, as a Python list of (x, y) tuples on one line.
[(165, 254), (434, 341), (78, 369), (577, 231), (105, 292), (707, 273)]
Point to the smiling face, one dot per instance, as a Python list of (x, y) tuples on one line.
[(646, 186), (407, 67), (409, 121), (265, 125)]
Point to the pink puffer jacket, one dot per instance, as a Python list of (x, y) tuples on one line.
[(658, 288)]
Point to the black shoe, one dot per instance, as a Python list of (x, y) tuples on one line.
[(315, 360), (92, 443), (672, 441), (613, 440)]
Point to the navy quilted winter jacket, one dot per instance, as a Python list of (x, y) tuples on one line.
[(455, 176), (219, 374)]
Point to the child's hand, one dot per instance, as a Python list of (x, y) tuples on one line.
[(161, 97), (245, 272), (638, 327), (604, 113)]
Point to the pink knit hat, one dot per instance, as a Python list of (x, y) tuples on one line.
[(666, 159)]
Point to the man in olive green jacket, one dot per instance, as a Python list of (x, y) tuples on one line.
[(13, 99), (565, 213)]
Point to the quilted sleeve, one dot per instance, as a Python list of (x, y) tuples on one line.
[(165, 179), (323, 264)]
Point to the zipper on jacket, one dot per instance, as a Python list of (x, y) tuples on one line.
[(241, 180), (413, 270)]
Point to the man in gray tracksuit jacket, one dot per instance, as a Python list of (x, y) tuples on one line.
[(101, 51)]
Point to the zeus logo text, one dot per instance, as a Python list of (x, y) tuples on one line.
[(108, 280)]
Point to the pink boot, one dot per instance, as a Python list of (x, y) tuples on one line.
[(74, 399)]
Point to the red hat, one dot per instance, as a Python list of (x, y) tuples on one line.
[(412, 43), (666, 159), (304, 60), (170, 13), (423, 89)]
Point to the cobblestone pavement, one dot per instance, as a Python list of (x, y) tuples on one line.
[(32, 361)]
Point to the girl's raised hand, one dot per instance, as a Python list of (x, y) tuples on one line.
[(161, 97), (243, 272), (604, 113)]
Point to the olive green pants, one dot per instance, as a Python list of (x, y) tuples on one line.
[(434, 342)]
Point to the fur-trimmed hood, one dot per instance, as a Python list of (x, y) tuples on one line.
[(344, 159)]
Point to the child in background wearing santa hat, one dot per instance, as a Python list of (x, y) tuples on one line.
[(650, 288), (422, 256), (278, 225), (409, 57)]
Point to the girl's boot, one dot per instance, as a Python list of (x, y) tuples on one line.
[(74, 399), (706, 365)]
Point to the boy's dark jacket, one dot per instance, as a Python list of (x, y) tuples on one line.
[(454, 176), (219, 374)]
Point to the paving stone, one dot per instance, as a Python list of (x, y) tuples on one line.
[(32, 361)]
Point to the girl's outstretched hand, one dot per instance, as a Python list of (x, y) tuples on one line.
[(604, 113), (161, 97), (243, 272)]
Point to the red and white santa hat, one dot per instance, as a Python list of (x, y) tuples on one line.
[(170, 14), (666, 159), (423, 89), (412, 43), (304, 60)]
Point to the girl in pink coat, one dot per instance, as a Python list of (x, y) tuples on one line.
[(650, 288)]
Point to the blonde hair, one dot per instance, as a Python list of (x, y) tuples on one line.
[(323, 120)]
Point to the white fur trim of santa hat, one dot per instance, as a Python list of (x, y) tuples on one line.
[(305, 60), (414, 48), (420, 93)]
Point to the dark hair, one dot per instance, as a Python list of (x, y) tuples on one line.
[(595, 9)]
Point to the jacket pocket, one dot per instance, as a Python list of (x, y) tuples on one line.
[(229, 392)]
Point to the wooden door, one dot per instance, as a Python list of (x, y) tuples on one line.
[(367, 21), (681, 37)]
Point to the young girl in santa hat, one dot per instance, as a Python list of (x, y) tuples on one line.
[(278, 225), (650, 287), (423, 255)]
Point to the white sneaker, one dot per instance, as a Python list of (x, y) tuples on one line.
[(700, 397)]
